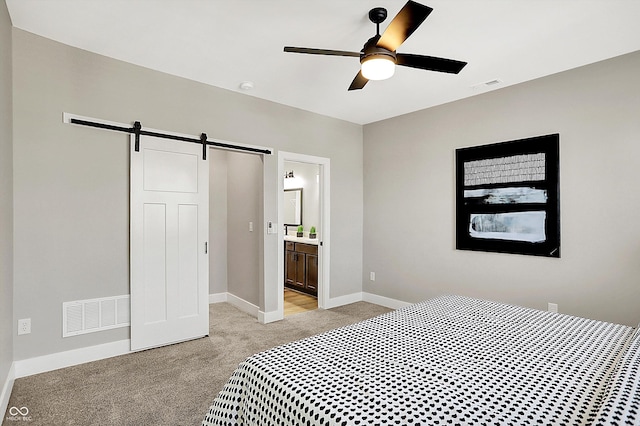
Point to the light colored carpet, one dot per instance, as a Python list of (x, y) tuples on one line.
[(173, 385)]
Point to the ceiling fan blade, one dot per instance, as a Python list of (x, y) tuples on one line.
[(403, 25), (320, 51), (358, 82), (430, 63)]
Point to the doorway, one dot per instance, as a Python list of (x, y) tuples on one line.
[(266, 300), (303, 258), (236, 181), (301, 217)]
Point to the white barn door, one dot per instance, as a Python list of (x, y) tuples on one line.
[(169, 228)]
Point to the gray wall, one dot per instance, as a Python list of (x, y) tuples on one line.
[(409, 199), (217, 221), (235, 200), (244, 197), (6, 197), (71, 184)]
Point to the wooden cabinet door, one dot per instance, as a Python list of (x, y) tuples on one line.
[(289, 267), (301, 267), (312, 273), (294, 269), (300, 270)]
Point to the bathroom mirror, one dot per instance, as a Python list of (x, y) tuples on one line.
[(292, 207)]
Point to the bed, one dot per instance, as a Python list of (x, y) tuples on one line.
[(447, 360)]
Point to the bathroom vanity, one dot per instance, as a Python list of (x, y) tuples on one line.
[(301, 264)]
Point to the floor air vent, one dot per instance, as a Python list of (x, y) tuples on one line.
[(88, 316)]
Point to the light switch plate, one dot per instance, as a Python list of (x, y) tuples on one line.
[(272, 228)]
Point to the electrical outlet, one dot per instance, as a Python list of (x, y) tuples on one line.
[(372, 276), (553, 307), (24, 326)]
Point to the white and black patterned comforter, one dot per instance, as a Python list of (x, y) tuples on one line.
[(449, 360)]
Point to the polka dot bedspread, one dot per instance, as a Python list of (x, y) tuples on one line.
[(451, 360)]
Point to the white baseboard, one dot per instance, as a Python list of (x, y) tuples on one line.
[(6, 390), (42, 364), (366, 297), (347, 299), (267, 317), (217, 297), (384, 301), (236, 301), (243, 305)]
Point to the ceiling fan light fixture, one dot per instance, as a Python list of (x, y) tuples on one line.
[(378, 56), (378, 67)]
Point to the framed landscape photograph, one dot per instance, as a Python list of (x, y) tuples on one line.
[(508, 197)]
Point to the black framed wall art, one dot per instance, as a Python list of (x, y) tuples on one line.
[(508, 197)]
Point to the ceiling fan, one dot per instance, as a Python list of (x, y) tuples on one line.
[(378, 57)]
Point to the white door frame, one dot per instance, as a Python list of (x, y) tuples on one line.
[(325, 217)]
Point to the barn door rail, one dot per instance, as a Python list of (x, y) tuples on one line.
[(137, 130)]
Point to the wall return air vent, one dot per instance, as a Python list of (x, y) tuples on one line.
[(91, 315)]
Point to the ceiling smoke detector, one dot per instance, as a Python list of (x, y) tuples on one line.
[(246, 85)]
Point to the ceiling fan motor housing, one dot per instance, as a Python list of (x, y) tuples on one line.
[(372, 50)]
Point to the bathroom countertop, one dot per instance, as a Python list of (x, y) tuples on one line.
[(305, 240)]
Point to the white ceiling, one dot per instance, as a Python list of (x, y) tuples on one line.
[(226, 42)]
